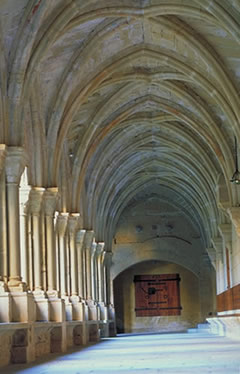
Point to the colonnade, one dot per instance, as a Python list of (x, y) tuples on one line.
[(51, 268)]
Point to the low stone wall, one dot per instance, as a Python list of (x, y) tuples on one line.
[(25, 342)]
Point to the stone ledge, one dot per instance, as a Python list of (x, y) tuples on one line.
[(226, 325)]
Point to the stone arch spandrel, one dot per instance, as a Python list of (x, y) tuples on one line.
[(158, 250)]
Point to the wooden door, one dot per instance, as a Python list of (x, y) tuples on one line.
[(157, 295)]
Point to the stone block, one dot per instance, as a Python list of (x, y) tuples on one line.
[(42, 310), (5, 307), (57, 310), (23, 307)]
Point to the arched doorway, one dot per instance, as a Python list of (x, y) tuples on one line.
[(193, 310)]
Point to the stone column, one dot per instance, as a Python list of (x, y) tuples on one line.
[(23, 304), (100, 280), (62, 222), (15, 163), (5, 299), (72, 226), (3, 219), (109, 295), (92, 308), (79, 242), (35, 206), (80, 236), (57, 312), (108, 263), (89, 237), (226, 233), (93, 271), (24, 197), (35, 209), (218, 245), (50, 201), (99, 254)]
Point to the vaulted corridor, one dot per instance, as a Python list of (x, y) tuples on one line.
[(147, 353)]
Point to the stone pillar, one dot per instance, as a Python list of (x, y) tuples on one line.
[(109, 294), (88, 241), (15, 163), (100, 280), (3, 218), (57, 312), (35, 205), (108, 263), (35, 208), (81, 279), (78, 312), (226, 234), (62, 222), (23, 307), (5, 299), (93, 271), (24, 197), (72, 226), (50, 200), (99, 252), (218, 245), (89, 237), (79, 242)]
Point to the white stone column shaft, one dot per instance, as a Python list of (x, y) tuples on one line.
[(35, 205), (93, 270), (89, 237), (3, 217), (15, 163), (100, 249), (62, 226), (108, 263), (72, 225), (50, 199), (79, 243)]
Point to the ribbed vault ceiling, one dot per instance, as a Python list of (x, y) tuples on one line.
[(124, 99)]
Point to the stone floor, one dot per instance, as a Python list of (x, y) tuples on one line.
[(148, 353)]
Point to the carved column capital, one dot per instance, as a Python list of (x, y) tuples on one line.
[(80, 236), (50, 200), (62, 221), (89, 237), (73, 222), (16, 160), (100, 248), (35, 200), (3, 150)]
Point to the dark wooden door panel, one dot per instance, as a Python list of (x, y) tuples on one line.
[(157, 295)]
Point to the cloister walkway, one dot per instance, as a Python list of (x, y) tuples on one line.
[(148, 353)]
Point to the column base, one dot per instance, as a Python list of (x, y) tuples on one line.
[(23, 307), (57, 310), (103, 311), (5, 304), (92, 310), (42, 306), (68, 308), (78, 309), (111, 312), (15, 285)]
